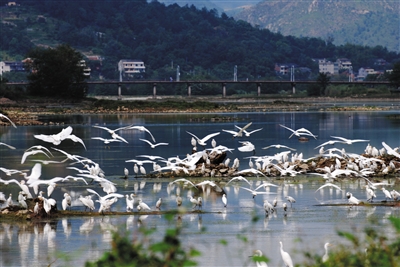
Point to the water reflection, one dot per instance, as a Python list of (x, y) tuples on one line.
[(37, 244)]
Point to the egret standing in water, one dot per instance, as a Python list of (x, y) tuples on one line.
[(178, 200), (352, 200), (284, 208), (286, 257), (291, 200), (258, 253), (158, 204), (224, 200), (66, 202), (326, 255)]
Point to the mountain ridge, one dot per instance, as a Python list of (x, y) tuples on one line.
[(360, 22)]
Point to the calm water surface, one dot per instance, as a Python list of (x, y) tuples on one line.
[(306, 227)]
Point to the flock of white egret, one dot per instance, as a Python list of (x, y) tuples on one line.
[(373, 161)]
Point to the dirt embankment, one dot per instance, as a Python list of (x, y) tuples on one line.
[(26, 112)]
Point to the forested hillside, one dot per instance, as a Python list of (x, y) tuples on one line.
[(204, 43), (362, 22)]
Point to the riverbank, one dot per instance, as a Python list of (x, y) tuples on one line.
[(27, 112)]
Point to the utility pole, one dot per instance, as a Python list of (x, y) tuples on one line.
[(235, 73), (350, 74), (292, 79), (120, 68), (178, 74)]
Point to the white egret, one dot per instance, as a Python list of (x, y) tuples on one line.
[(48, 203), (142, 206), (247, 147), (107, 200), (284, 205), (352, 200), (153, 145), (32, 152), (390, 150), (246, 133), (178, 200), (265, 185), (203, 141), (5, 117), (326, 255), (107, 141), (255, 193), (87, 202), (268, 207), (370, 193), (330, 142), (278, 146), (238, 178), (2, 198), (349, 141), (286, 257), (330, 185), (151, 157), (21, 184), (113, 133), (224, 200), (387, 194), (66, 202), (299, 132), (142, 170), (258, 253), (275, 202), (21, 200), (158, 204), (36, 208), (130, 202), (9, 201), (143, 129), (291, 200), (56, 139), (185, 181), (240, 132), (36, 172), (4, 144), (194, 201)]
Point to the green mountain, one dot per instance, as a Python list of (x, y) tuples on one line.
[(362, 22), (204, 43)]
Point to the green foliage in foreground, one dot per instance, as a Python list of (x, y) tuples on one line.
[(167, 253), (374, 249)]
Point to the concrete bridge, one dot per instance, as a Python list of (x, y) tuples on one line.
[(223, 83)]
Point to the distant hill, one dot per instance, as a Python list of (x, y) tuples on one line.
[(204, 43), (228, 7), (362, 22)]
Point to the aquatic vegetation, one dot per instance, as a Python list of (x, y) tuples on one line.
[(169, 252), (376, 248)]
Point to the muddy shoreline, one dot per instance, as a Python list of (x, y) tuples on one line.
[(26, 112)]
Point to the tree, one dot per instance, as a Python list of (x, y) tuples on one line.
[(56, 72), (323, 80), (394, 77)]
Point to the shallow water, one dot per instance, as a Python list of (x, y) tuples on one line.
[(306, 227)]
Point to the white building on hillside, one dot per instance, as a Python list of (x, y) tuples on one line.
[(131, 66), (326, 66)]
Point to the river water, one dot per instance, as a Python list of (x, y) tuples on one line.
[(242, 224)]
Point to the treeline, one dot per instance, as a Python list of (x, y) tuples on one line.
[(204, 43)]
